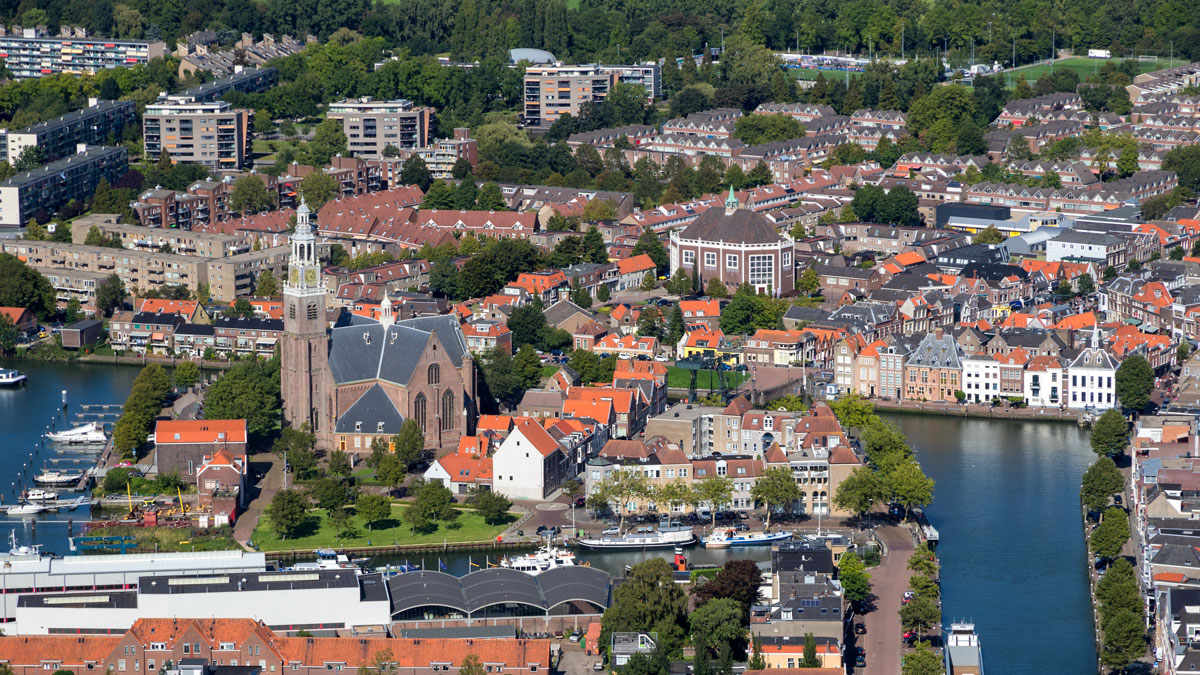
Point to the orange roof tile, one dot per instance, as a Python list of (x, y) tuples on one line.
[(638, 263), (1076, 321), (909, 258), (412, 653), (199, 431), (533, 432), (181, 307), (73, 650)]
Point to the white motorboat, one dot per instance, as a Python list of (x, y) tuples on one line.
[(40, 495), (329, 559), (91, 433), (25, 509), (22, 551), (726, 537), (11, 378), (58, 477), (667, 537), (546, 558)]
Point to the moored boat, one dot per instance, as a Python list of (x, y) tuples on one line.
[(91, 433), (40, 495), (25, 509), (11, 378), (545, 558), (726, 537), (963, 652), (58, 477), (667, 537)]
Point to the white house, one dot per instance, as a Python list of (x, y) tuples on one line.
[(465, 468), (1075, 246), (530, 464), (1092, 377), (981, 378), (1043, 384)]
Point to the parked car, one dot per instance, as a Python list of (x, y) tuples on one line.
[(598, 666), (611, 532), (860, 628), (580, 502), (860, 662), (662, 358), (908, 597)]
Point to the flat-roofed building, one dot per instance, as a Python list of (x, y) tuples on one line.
[(214, 134), (370, 125), (147, 270), (59, 137), (236, 275), (186, 242), (41, 192), (35, 53), (552, 91)]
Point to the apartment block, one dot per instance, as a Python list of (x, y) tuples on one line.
[(236, 275), (185, 242), (552, 91), (647, 75), (42, 191), (204, 202), (30, 52), (353, 176), (370, 125), (73, 284), (247, 80), (439, 158), (214, 134), (93, 125), (146, 270)]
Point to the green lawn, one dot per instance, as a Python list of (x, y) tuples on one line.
[(319, 533), (547, 371), (1083, 66), (680, 378)]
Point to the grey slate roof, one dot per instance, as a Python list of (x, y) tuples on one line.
[(743, 226), (563, 310), (369, 351), (935, 352), (372, 413), (497, 586)]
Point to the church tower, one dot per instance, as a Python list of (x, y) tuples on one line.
[(305, 352)]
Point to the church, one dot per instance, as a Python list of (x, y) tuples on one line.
[(362, 378)]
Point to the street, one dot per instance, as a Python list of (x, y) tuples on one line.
[(889, 581)]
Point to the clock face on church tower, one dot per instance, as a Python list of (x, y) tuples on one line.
[(295, 276), (310, 276)]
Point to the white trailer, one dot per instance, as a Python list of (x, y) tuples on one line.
[(1099, 54)]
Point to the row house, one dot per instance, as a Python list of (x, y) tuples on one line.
[(627, 346), (144, 332), (833, 124), (933, 370), (1075, 174), (636, 134), (182, 241), (229, 337), (630, 408), (483, 336), (882, 119), (714, 123), (1016, 113), (801, 112), (919, 162), (648, 376), (892, 240), (1159, 139)]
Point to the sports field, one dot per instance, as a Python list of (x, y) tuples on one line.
[(1083, 66)]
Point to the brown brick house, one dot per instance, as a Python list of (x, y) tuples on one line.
[(182, 445)]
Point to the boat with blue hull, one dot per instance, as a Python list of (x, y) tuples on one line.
[(728, 537)]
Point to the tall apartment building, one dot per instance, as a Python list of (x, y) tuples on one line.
[(233, 276), (551, 91), (29, 52), (247, 80), (42, 191), (204, 202), (439, 158), (647, 75), (370, 125), (214, 134), (59, 137)]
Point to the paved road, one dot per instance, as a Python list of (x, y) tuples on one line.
[(889, 581), (261, 492)]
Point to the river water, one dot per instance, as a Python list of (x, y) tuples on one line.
[(1006, 505), (1013, 555)]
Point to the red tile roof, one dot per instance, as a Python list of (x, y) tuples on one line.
[(199, 431)]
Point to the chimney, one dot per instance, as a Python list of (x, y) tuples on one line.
[(939, 333)]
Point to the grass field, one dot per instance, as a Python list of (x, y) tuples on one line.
[(680, 378), (1083, 66), (318, 533)]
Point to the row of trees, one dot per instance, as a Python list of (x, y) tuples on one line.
[(623, 491), (891, 474), (145, 401)]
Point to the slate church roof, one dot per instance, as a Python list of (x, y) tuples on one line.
[(360, 353), (373, 413)]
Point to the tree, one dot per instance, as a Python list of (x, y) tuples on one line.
[(1111, 534), (776, 486), (922, 661), (330, 494), (110, 294), (266, 287), (493, 506), (937, 116), (339, 464), (856, 581), (909, 485), (1063, 289), (809, 282), (491, 198), (1118, 590), (649, 600), (317, 188), (373, 508), (240, 308), (30, 158), (1185, 162), (676, 325), (23, 286), (970, 140), (738, 580), (248, 391), (990, 235), (859, 492), (716, 490), (920, 614), (187, 373), (594, 248), (1087, 285), (1124, 639), (720, 620), (1110, 433), (249, 196), (922, 561), (471, 665), (391, 471), (649, 244), (288, 511), (410, 443), (528, 367), (1100, 482), (757, 660), (716, 289), (757, 129), (650, 323), (603, 294), (580, 295), (432, 503), (810, 660), (1135, 381)]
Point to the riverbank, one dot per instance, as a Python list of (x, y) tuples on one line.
[(979, 411)]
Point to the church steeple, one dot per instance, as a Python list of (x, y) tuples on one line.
[(731, 203), (304, 375), (386, 318), (304, 270)]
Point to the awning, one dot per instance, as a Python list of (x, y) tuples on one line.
[(156, 336), (141, 335), (267, 341)]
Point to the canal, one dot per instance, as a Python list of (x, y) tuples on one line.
[(1012, 548), (1006, 506)]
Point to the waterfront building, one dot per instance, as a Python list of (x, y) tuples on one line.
[(1092, 377), (981, 378), (41, 192), (1044, 382), (182, 445), (934, 369), (60, 137)]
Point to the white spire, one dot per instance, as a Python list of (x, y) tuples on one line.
[(386, 318), (303, 214)]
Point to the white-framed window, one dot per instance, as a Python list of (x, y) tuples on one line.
[(689, 257), (731, 261), (787, 259), (762, 270), (710, 259)]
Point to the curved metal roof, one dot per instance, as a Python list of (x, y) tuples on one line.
[(498, 586), (534, 56)]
